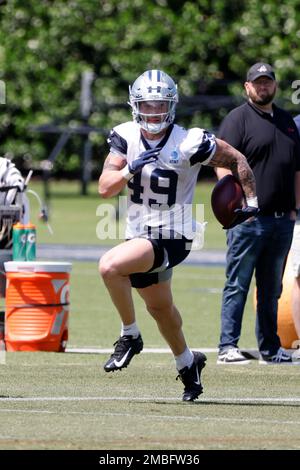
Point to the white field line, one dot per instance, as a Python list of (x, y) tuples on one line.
[(89, 350), (156, 417), (145, 350), (212, 400)]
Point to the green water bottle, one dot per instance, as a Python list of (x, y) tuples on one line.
[(19, 242), (30, 232)]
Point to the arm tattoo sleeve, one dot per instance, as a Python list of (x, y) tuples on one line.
[(227, 156)]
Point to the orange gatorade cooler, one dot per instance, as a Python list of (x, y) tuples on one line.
[(286, 327), (285, 323), (37, 305)]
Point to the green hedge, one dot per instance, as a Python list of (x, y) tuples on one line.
[(207, 46)]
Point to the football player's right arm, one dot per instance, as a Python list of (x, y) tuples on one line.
[(116, 173), (112, 181)]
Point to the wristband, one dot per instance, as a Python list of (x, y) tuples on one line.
[(252, 201), (126, 173)]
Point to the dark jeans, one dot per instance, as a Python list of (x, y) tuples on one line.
[(262, 245)]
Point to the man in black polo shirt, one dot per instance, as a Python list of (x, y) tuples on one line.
[(268, 137)]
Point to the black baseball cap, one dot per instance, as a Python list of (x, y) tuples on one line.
[(261, 69)]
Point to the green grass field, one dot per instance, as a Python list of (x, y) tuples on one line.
[(67, 401)]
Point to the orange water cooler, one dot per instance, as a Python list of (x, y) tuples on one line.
[(285, 323), (286, 328), (37, 305)]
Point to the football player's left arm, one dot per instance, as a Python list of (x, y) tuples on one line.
[(228, 158)]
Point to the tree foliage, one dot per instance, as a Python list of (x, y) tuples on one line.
[(206, 45)]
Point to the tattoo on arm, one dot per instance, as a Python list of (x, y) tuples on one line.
[(112, 166), (227, 156)]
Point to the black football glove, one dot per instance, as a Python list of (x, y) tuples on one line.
[(242, 215), (144, 158)]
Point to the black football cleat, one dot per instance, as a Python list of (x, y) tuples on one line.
[(190, 377), (125, 348)]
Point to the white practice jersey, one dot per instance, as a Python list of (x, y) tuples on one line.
[(161, 195)]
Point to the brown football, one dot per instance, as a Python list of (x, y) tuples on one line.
[(227, 196)]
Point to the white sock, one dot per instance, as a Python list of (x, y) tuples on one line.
[(184, 359), (130, 330)]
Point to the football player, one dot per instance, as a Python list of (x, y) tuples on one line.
[(11, 193), (159, 162)]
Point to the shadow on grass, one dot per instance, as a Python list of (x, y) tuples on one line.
[(213, 402)]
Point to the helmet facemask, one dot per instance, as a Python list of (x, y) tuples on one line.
[(154, 120)]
